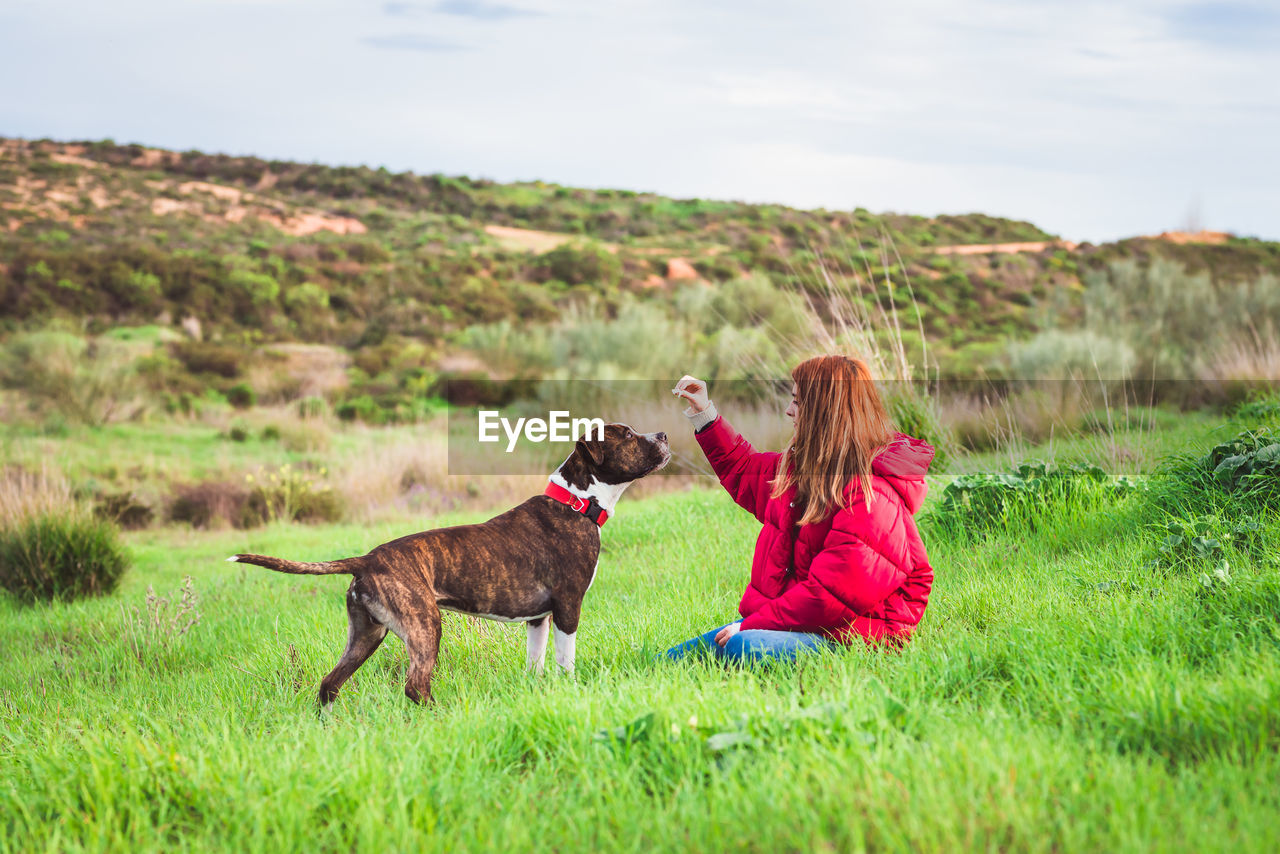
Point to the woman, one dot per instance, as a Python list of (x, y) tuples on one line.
[(839, 557)]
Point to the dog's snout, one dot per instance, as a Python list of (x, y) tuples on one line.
[(662, 437)]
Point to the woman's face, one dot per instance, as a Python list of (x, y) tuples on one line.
[(793, 408)]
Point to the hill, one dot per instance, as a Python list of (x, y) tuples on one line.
[(243, 251)]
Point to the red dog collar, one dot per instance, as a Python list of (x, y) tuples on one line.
[(586, 506)]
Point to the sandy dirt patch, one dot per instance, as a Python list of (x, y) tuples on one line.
[(1212, 238), (526, 239), (73, 160), (1005, 248)]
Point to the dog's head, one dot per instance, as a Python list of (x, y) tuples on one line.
[(622, 455)]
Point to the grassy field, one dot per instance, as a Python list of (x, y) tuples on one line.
[(1058, 696)]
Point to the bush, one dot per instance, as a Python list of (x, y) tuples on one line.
[(1057, 354), (582, 265), (312, 407), (200, 357), (84, 382), (125, 509), (209, 505), (241, 396), (916, 415), (60, 556), (292, 496)]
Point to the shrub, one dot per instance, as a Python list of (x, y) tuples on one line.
[(306, 298), (916, 415), (305, 436), (125, 509), (60, 556), (581, 264), (312, 407), (1057, 354), (90, 383), (292, 496), (241, 396), (211, 504), (258, 287), (201, 357), (362, 408)]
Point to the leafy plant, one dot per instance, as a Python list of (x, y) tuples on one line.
[(977, 503), (1260, 410), (1205, 540), (289, 495)]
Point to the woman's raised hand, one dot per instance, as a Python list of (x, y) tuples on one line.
[(693, 390)]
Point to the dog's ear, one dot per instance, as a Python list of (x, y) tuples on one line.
[(592, 450)]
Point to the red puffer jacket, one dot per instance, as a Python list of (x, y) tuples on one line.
[(858, 573)]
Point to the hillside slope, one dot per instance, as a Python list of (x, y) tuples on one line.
[(271, 250)]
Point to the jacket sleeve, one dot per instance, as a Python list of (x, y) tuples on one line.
[(743, 471), (849, 577)]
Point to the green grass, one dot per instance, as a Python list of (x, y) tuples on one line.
[(1058, 696), (164, 449)]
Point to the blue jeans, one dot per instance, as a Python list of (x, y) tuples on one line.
[(752, 645)]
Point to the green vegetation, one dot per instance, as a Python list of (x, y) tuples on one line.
[(974, 505), (1063, 693), (243, 252), (60, 555), (212, 349)]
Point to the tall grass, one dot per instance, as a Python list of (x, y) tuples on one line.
[(85, 382), (50, 546), (1056, 697), (25, 493), (1158, 321)]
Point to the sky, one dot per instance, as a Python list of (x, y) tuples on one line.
[(1094, 120)]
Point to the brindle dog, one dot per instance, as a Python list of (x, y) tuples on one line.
[(535, 561)]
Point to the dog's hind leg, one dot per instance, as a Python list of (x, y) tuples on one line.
[(537, 643), (364, 634), (422, 637)]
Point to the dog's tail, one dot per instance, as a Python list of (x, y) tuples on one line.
[(350, 566)]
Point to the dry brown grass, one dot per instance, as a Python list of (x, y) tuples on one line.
[(24, 494), (1255, 357), (287, 372), (1016, 421)]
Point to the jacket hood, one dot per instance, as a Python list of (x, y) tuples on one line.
[(903, 463)]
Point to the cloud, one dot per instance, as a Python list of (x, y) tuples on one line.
[(420, 43), (462, 8), (1229, 25)]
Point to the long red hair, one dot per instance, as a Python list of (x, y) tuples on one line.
[(841, 425)]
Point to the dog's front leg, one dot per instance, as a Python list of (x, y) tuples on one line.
[(537, 643), (565, 646)]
